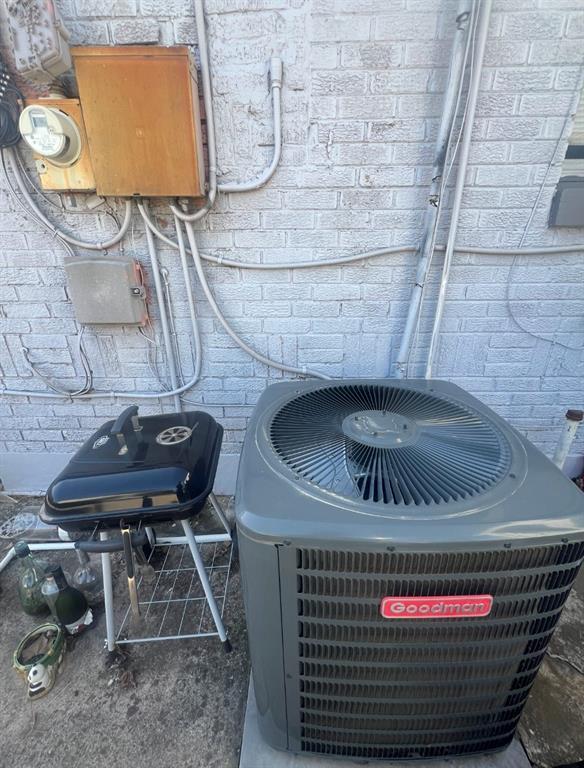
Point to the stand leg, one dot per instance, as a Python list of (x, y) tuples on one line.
[(219, 512), (205, 582), (108, 595)]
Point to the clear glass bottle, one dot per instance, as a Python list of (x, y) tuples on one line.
[(30, 581), (68, 605), (86, 580)]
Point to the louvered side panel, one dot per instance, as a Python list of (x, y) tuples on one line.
[(361, 686)]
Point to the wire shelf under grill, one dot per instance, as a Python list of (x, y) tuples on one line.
[(172, 602)]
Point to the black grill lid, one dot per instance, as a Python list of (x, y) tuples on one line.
[(153, 468)]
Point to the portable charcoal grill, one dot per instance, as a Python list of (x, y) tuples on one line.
[(131, 475)]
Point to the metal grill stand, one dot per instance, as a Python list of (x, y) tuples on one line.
[(163, 604)]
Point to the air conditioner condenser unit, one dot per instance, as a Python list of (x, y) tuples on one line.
[(405, 557)]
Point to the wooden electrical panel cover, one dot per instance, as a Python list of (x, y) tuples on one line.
[(141, 111), (77, 177)]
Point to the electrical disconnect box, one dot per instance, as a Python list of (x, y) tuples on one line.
[(106, 290), (141, 112), (55, 131)]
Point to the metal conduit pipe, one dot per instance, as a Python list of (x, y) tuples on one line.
[(143, 209), (102, 246), (276, 69), (449, 109), (190, 300), (228, 329), (473, 88), (159, 290), (575, 248), (209, 116)]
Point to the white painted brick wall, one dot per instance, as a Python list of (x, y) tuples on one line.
[(361, 101)]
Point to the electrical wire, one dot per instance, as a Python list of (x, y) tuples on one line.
[(88, 373), (10, 96), (552, 341)]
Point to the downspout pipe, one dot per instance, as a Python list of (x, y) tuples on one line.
[(474, 85), (449, 109)]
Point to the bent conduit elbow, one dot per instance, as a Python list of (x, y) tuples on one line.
[(208, 102), (276, 69)]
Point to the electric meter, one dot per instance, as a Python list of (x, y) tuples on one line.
[(51, 133)]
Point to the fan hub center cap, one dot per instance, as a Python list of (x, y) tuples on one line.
[(381, 429)]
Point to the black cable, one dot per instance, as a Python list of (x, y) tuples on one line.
[(9, 109)]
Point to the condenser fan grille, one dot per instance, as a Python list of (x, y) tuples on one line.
[(389, 445)]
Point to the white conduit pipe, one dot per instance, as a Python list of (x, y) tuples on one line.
[(460, 45), (209, 116), (170, 360), (275, 85), (287, 264), (189, 289), (190, 299), (576, 248), (567, 436), (228, 329), (474, 85), (102, 246)]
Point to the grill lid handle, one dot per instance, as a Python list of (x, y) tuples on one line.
[(125, 427)]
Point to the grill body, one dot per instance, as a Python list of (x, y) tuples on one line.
[(331, 675)]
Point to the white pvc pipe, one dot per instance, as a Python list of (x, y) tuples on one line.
[(101, 246), (188, 287), (209, 116), (567, 435), (171, 362), (190, 299), (276, 85), (460, 46), (473, 93), (576, 248), (228, 329)]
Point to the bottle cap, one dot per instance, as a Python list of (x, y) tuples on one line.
[(21, 549)]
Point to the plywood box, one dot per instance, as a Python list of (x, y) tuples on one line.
[(77, 177), (141, 111)]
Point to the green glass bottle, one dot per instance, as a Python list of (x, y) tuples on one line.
[(30, 581), (68, 605)]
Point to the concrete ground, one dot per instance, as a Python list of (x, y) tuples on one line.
[(168, 705), (182, 703)]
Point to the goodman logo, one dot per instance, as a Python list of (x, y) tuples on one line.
[(436, 607)]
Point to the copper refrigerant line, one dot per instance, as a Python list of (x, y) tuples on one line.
[(463, 45)]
